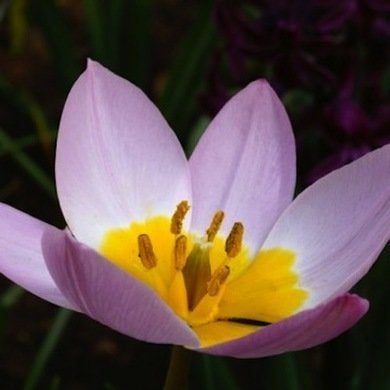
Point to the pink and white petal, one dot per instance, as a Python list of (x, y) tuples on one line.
[(21, 258), (338, 226), (117, 159), (111, 296), (245, 164), (304, 330)]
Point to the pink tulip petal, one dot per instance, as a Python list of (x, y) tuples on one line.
[(245, 164), (304, 330), (338, 226), (21, 258), (117, 159), (109, 295)]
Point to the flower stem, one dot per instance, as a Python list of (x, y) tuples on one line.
[(179, 367)]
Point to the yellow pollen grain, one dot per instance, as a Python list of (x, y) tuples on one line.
[(215, 225), (145, 251), (219, 277), (180, 252), (233, 243), (178, 217)]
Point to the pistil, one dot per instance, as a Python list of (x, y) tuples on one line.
[(197, 272)]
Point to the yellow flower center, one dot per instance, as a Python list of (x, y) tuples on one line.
[(209, 281)]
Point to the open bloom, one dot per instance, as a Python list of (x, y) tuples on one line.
[(210, 253)]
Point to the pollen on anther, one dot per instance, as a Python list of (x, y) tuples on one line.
[(178, 217), (145, 251), (215, 225), (219, 277), (233, 242), (180, 252)]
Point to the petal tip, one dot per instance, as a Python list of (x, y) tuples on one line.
[(260, 87), (94, 69), (359, 305), (261, 83), (91, 63)]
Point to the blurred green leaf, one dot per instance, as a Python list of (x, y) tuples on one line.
[(119, 33), (135, 52), (23, 142), (18, 23), (11, 296), (216, 374), (96, 17), (195, 134), (55, 383), (44, 132), (27, 105), (57, 36), (47, 348), (297, 100), (178, 101), (26, 163), (109, 386), (285, 373), (7, 300), (4, 5)]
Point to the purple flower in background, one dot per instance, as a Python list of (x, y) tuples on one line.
[(210, 253), (291, 37), (352, 133), (353, 127), (330, 56)]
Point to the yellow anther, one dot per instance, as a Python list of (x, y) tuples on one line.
[(219, 277), (180, 252), (145, 251), (215, 225), (234, 241), (178, 217)]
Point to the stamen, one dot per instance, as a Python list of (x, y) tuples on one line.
[(219, 277), (146, 253), (234, 241), (178, 217), (180, 252), (215, 225)]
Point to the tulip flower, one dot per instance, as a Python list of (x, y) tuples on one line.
[(211, 253)]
